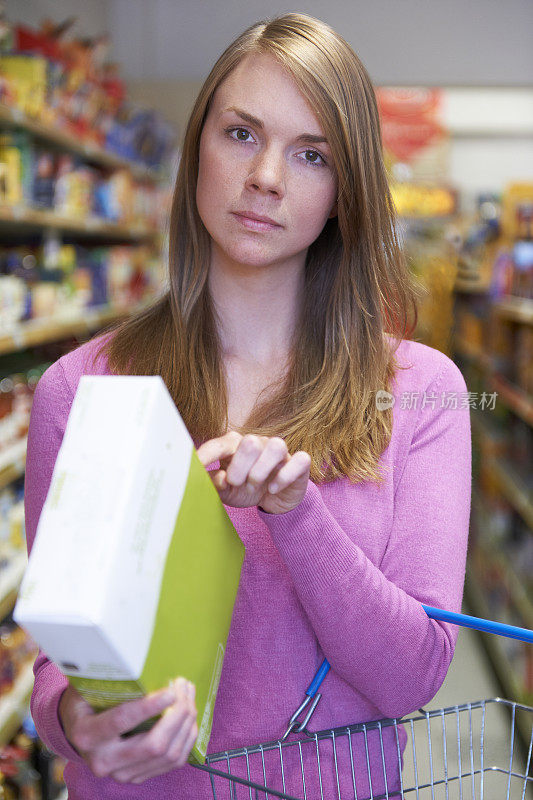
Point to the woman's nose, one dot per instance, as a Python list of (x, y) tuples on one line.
[(267, 171)]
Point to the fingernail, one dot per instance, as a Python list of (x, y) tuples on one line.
[(192, 689), (273, 488)]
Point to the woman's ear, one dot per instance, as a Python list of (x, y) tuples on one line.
[(333, 212)]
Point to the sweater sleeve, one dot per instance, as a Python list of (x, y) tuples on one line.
[(368, 619), (49, 414)]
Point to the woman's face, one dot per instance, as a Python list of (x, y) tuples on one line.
[(262, 167)]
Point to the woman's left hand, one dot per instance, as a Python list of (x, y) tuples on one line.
[(250, 464)]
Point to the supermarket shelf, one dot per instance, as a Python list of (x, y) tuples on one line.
[(514, 489), (10, 581), (20, 218), (426, 219), (514, 398), (473, 353), (14, 706), (509, 479), (13, 462), (513, 582), (15, 118), (473, 286), (519, 309), (481, 426), (519, 596), (41, 331)]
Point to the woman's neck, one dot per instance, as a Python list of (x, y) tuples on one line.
[(257, 311)]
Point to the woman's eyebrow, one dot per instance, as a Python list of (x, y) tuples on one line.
[(311, 138)]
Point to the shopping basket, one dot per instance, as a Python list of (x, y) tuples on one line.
[(448, 753)]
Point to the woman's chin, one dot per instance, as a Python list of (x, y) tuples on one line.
[(249, 257)]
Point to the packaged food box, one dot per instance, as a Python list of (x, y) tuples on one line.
[(135, 566)]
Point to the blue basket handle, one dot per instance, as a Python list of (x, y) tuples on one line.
[(465, 620)]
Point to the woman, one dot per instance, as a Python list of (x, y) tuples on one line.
[(335, 443)]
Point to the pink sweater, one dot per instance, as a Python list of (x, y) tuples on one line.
[(341, 576)]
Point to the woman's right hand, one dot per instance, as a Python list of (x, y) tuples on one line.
[(97, 735)]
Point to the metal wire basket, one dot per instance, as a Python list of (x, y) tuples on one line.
[(446, 753)]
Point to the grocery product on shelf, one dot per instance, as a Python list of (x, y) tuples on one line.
[(433, 261), (67, 85), (16, 394), (59, 175), (39, 177), (15, 167), (24, 82), (478, 237), (28, 770), (64, 280), (513, 268), (17, 649), (12, 528)]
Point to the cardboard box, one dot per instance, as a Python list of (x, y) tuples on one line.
[(135, 567)]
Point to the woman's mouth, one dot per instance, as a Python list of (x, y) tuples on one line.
[(255, 224)]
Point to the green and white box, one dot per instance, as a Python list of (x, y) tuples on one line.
[(135, 567)]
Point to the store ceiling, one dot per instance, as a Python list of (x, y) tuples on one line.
[(481, 42)]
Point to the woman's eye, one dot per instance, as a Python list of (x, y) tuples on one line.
[(231, 131), (314, 161)]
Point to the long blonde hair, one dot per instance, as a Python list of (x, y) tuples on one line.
[(358, 287)]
